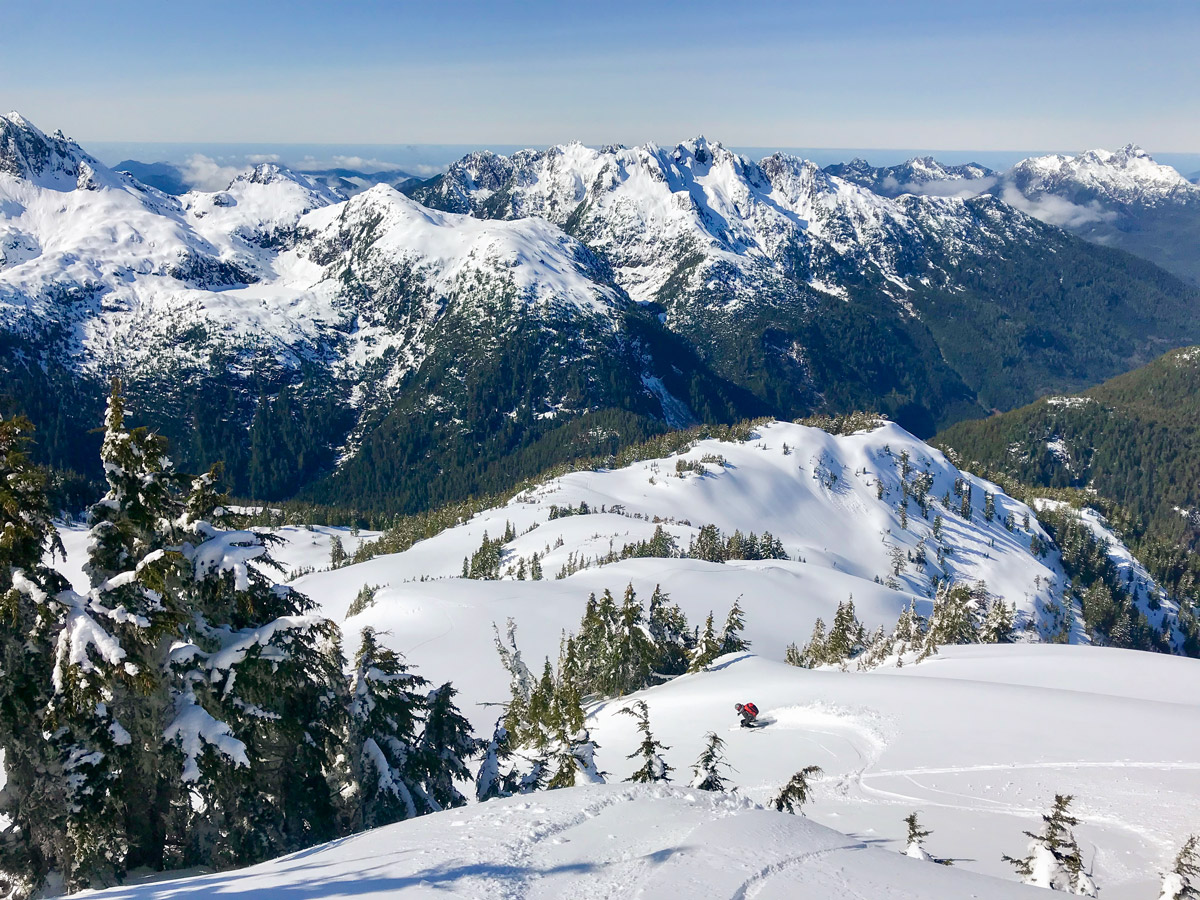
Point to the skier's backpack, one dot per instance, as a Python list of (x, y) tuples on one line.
[(750, 708)]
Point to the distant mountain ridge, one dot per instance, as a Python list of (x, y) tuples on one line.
[(550, 304), (1119, 198)]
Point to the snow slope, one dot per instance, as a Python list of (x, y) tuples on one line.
[(978, 739), (599, 841)]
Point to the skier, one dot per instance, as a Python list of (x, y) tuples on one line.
[(748, 712)]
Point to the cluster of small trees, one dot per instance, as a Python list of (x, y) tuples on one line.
[(187, 710), (962, 614), (1053, 859), (620, 648)]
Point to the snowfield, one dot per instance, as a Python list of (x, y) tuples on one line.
[(978, 739), (664, 843)]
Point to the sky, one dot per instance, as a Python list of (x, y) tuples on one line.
[(1003, 76)]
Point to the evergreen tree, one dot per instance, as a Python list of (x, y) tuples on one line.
[(954, 619), (1054, 860), (492, 781), (796, 792), (708, 545), (707, 772), (385, 711), (521, 681), (1183, 881), (998, 624), (707, 648), (446, 743), (654, 767), (631, 653), (34, 839), (847, 637), (669, 632), (731, 639), (815, 651), (535, 568), (337, 553), (915, 842)]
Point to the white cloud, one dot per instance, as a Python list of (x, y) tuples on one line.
[(953, 187), (1056, 210), (203, 173)]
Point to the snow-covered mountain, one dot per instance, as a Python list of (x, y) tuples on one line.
[(1120, 198), (698, 221), (919, 175), (977, 738), (648, 287), (1126, 177)]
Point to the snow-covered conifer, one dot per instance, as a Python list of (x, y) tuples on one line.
[(707, 774), (649, 751), (30, 627), (735, 623), (707, 648), (669, 632), (998, 624), (445, 745), (814, 652), (847, 637), (915, 842), (386, 703), (797, 791), (1183, 881), (1054, 860), (495, 778)]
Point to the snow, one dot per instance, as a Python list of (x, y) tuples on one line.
[(1147, 593), (147, 273), (591, 842), (978, 739)]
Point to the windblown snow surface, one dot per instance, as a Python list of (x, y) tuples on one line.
[(977, 739)]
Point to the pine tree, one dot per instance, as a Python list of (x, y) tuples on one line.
[(535, 568), (492, 781), (669, 632), (631, 652), (998, 624), (847, 637), (707, 648), (954, 619), (989, 506), (337, 553), (385, 710), (792, 656), (916, 841), (708, 545), (707, 770), (1054, 860), (796, 792), (654, 767), (815, 651), (731, 639), (30, 623), (1183, 881), (521, 681), (446, 744)]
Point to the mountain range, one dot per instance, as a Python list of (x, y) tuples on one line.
[(1119, 198), (396, 351)]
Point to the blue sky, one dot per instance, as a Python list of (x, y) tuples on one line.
[(857, 73)]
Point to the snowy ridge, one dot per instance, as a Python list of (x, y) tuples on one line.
[(697, 215), (1127, 176), (129, 275)]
